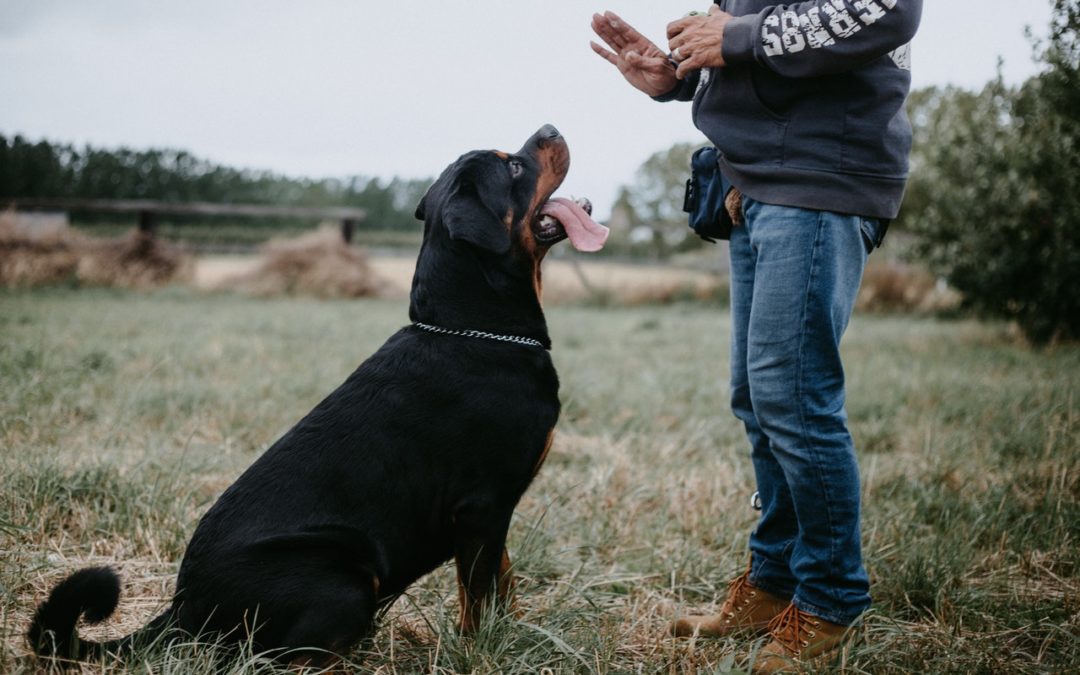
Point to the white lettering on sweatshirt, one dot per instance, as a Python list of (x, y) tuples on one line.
[(790, 32)]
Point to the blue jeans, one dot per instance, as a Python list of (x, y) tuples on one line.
[(794, 277)]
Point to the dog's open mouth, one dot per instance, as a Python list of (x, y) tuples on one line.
[(564, 219)]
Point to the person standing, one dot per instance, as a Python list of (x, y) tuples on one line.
[(805, 102)]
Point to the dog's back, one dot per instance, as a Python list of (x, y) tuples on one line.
[(368, 484)]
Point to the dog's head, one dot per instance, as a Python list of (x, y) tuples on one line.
[(500, 203), (489, 220)]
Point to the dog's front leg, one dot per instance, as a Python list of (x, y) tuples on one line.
[(483, 565), (506, 581)]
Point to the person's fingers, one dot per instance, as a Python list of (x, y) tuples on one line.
[(612, 32), (655, 65), (677, 42), (608, 56), (684, 45), (647, 64), (684, 69), (703, 56), (676, 27), (617, 21), (688, 66), (687, 33), (602, 27), (621, 36), (632, 58), (713, 9), (640, 61), (624, 30)]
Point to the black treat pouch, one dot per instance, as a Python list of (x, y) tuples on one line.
[(705, 193)]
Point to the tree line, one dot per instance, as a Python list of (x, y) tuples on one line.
[(42, 169)]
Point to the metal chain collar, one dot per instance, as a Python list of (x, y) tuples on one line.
[(515, 339)]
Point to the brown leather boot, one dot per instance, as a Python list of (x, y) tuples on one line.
[(746, 609), (797, 639)]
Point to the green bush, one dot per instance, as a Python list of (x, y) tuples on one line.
[(995, 190)]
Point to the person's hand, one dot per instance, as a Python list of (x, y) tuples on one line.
[(640, 61), (697, 42)]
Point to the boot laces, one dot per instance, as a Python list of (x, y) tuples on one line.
[(739, 584), (793, 628), (740, 591)]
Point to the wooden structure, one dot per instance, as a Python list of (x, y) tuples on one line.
[(148, 211)]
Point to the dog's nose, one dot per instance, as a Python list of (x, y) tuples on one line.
[(547, 139), (548, 132)]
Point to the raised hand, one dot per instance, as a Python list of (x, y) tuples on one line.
[(642, 63), (697, 42)]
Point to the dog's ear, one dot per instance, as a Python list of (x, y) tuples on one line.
[(476, 210), (421, 208)]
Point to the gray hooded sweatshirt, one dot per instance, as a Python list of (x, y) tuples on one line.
[(809, 110)]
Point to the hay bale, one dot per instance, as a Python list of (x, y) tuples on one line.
[(897, 287), (27, 261), (39, 224), (319, 264), (134, 260)]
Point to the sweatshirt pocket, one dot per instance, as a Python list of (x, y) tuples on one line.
[(737, 121), (758, 80), (877, 138)]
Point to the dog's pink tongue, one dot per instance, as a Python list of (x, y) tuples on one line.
[(584, 233)]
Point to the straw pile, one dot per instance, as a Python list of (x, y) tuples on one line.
[(134, 260), (318, 264), (27, 261), (898, 287)]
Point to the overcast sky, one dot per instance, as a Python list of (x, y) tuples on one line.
[(345, 87)]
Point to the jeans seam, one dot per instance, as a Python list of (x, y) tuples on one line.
[(822, 613), (804, 436), (756, 574), (773, 590)]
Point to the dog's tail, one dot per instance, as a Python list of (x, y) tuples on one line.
[(93, 594)]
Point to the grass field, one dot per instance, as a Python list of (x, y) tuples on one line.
[(123, 415)]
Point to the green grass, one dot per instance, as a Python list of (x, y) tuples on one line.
[(123, 416)]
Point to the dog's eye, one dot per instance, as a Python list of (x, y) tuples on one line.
[(516, 168)]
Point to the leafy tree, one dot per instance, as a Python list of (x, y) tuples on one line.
[(654, 200), (656, 195), (995, 191)]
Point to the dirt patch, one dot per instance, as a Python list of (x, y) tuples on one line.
[(621, 283), (563, 280), (577, 281)]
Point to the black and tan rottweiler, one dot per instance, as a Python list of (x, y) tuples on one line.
[(420, 456)]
